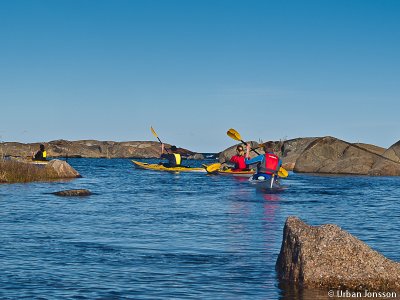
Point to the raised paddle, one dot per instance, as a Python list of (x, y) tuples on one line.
[(155, 134), (232, 133)]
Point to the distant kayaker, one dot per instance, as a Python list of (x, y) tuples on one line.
[(239, 159), (267, 164), (174, 158), (41, 154)]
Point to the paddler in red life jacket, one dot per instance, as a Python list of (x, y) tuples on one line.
[(239, 159), (267, 164), (174, 159)]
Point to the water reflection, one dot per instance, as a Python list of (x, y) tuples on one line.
[(292, 292)]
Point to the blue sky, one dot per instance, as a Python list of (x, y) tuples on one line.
[(109, 70)]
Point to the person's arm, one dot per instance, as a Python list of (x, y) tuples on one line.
[(162, 148), (247, 151), (254, 160)]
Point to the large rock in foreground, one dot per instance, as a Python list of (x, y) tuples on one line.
[(328, 257), (62, 169), (333, 156)]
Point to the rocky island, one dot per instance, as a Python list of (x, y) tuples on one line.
[(90, 149)]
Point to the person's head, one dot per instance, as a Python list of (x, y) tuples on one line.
[(173, 148), (240, 150), (268, 147), (41, 147)]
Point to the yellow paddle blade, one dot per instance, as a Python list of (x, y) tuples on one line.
[(153, 131), (282, 173), (232, 133), (213, 168)]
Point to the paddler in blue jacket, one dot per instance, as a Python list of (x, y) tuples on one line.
[(174, 158), (268, 164)]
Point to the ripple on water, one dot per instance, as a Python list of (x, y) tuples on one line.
[(151, 235)]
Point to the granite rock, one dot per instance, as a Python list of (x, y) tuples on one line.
[(333, 156), (62, 169), (328, 257), (73, 193), (89, 149)]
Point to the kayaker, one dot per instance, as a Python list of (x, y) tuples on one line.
[(174, 158), (267, 164), (41, 154), (239, 159)]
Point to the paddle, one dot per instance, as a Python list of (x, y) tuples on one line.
[(155, 134), (232, 133), (212, 168), (282, 173)]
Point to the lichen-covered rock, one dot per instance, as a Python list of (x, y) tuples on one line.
[(62, 169), (73, 193), (393, 152), (333, 156), (372, 148), (385, 167), (292, 149), (328, 257)]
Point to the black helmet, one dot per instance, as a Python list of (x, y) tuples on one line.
[(173, 148)]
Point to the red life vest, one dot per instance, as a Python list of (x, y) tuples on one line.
[(271, 164), (240, 162)]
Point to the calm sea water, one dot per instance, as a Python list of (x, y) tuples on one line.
[(154, 235)]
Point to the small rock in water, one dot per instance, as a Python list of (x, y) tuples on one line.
[(73, 193)]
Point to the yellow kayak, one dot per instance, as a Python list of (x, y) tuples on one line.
[(157, 167), (216, 169), (231, 172)]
